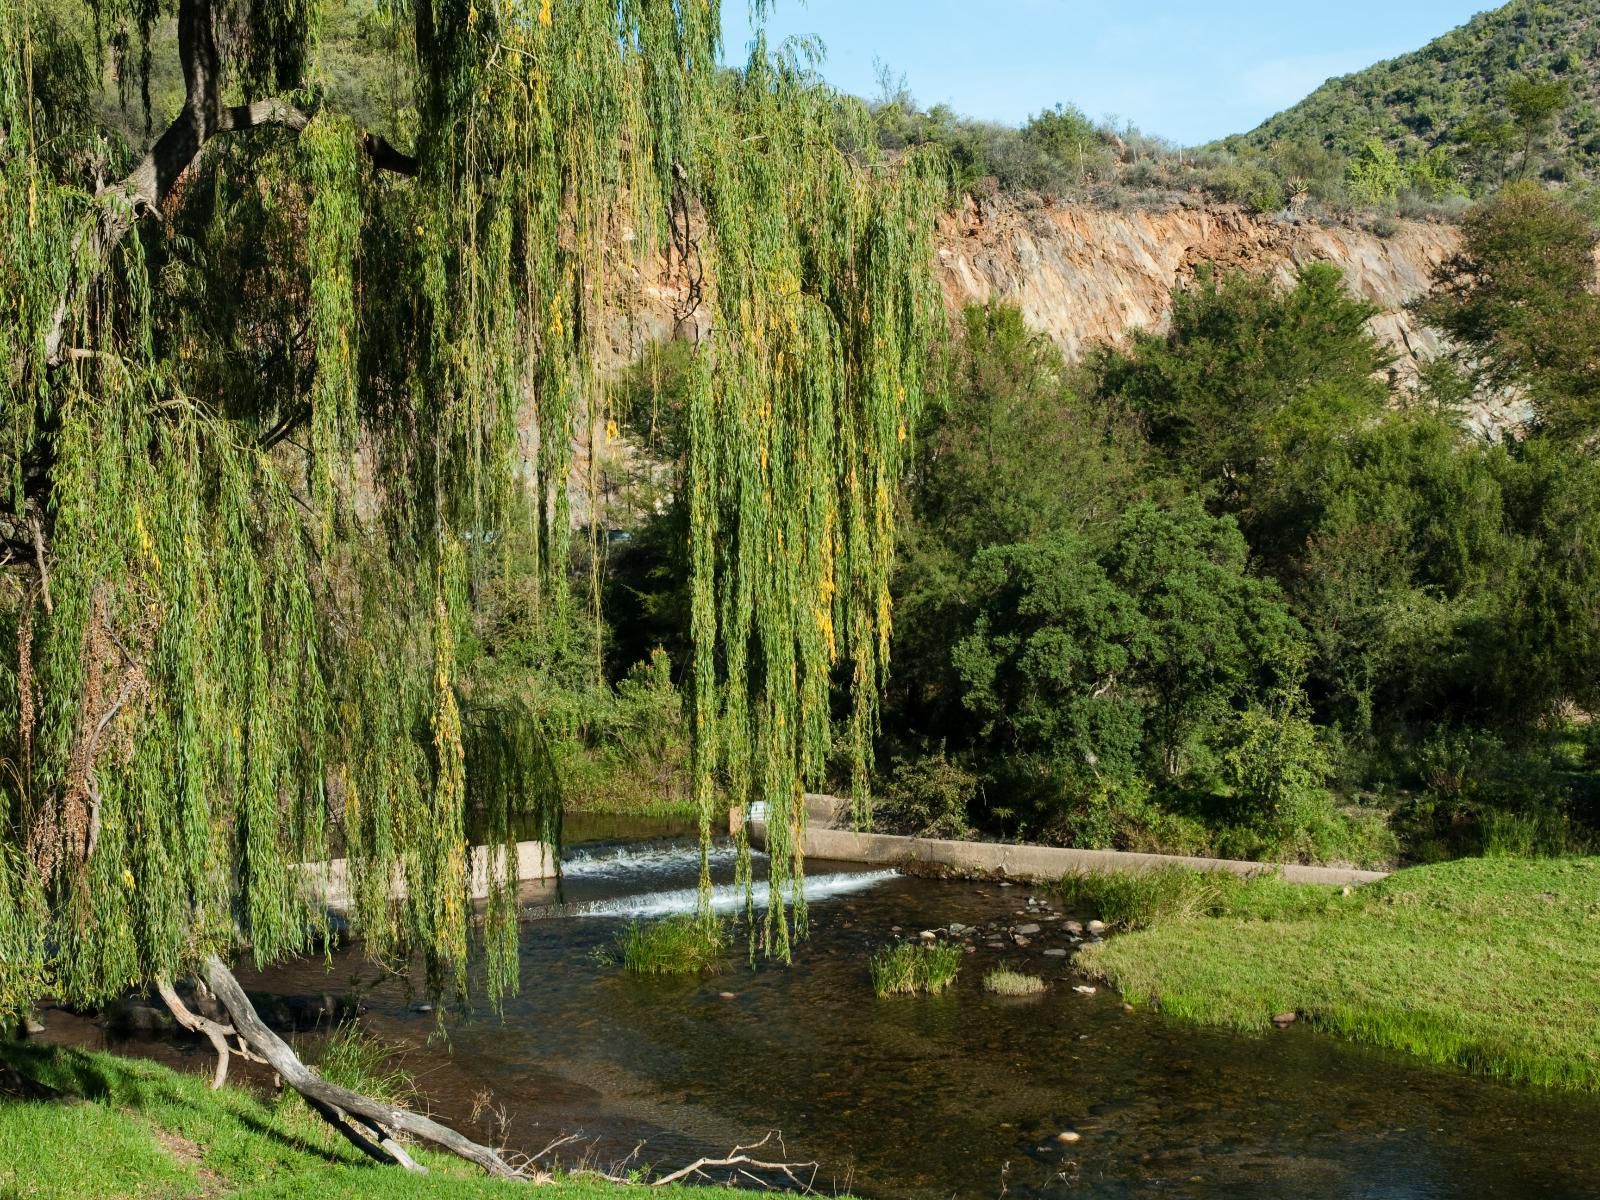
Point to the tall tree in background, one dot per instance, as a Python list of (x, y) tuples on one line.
[(223, 657), (1520, 300)]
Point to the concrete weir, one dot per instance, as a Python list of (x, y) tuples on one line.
[(328, 883), (823, 838)]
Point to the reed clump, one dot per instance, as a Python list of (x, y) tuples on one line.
[(1012, 983), (910, 968), (678, 945)]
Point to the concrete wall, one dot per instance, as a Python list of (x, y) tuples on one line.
[(328, 883), (822, 839)]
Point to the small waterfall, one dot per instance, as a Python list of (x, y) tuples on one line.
[(725, 897), (619, 862)]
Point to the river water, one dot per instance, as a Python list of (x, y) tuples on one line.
[(961, 1094)]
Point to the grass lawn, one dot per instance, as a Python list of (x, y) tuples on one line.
[(127, 1129), (1492, 965)]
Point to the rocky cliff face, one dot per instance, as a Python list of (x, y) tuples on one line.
[(1085, 275)]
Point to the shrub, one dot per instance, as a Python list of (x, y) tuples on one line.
[(907, 968), (1012, 983), (676, 945), (927, 797)]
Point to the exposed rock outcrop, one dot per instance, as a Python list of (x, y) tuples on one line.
[(1085, 275)]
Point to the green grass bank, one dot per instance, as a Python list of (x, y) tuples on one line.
[(128, 1129), (1491, 965)]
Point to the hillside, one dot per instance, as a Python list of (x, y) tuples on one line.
[(1453, 94)]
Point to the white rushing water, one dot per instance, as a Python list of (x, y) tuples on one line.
[(728, 897), (621, 862)]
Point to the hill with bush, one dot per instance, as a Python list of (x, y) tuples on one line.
[(1513, 93)]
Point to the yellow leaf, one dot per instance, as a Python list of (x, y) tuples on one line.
[(544, 13)]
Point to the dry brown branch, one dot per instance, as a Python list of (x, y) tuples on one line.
[(740, 1157), (213, 1031), (324, 1096), (36, 527)]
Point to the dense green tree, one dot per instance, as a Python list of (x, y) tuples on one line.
[(1247, 373), (1393, 547), (1534, 105), (1134, 658), (1520, 301), (1012, 452)]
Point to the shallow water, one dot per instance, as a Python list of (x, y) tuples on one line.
[(955, 1095)]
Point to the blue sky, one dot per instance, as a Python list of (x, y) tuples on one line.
[(1189, 70)]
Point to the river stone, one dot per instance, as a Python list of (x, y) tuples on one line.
[(1055, 953), (1097, 926), (134, 1014), (1073, 927), (1020, 940), (957, 928), (726, 996), (995, 945), (1284, 1019), (1083, 989), (1068, 1136), (1030, 928), (33, 1026)]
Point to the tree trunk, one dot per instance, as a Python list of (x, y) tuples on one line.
[(324, 1096)]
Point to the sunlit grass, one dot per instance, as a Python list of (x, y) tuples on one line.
[(1491, 965), (1012, 983), (907, 968), (116, 1128), (1128, 900), (675, 945)]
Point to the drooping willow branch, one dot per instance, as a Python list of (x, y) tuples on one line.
[(146, 188)]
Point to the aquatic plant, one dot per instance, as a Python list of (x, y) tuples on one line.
[(682, 944), (1012, 983), (907, 968)]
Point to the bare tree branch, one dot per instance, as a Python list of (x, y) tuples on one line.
[(253, 1030), (740, 1157)]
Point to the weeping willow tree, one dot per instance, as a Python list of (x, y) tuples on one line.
[(280, 397)]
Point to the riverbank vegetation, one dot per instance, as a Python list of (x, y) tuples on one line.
[(1012, 983), (1243, 588), (1238, 589), (914, 968), (81, 1125), (683, 944), (1490, 964)]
